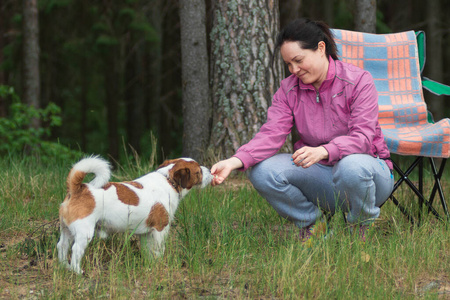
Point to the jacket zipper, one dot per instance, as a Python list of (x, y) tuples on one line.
[(317, 96)]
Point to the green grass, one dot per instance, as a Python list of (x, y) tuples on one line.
[(226, 242)]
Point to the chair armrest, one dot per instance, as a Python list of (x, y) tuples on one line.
[(435, 87)]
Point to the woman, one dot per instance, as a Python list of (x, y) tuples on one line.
[(341, 160)]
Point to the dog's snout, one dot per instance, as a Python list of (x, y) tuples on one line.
[(207, 177)]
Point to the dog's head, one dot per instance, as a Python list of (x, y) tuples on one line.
[(185, 173)]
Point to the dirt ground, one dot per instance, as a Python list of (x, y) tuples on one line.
[(25, 277)]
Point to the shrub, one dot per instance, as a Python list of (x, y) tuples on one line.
[(18, 136)]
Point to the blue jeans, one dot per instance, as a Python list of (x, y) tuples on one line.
[(358, 184)]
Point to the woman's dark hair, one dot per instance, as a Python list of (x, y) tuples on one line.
[(308, 33)]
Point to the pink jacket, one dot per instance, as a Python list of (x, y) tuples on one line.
[(342, 117)]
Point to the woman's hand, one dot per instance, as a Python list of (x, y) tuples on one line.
[(223, 168), (307, 156)]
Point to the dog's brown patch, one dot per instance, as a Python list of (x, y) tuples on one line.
[(168, 162), (158, 217), (135, 184), (77, 205), (75, 180), (124, 193)]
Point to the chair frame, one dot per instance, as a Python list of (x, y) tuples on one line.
[(418, 190)]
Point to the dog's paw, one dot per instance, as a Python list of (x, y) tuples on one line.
[(77, 269), (157, 254), (102, 234), (64, 264)]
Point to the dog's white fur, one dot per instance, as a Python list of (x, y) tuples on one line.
[(145, 206)]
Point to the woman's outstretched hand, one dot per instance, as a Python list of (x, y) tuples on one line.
[(223, 168)]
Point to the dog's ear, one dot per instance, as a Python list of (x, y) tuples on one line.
[(183, 178), (166, 163)]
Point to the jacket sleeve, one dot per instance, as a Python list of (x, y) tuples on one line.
[(362, 123), (271, 136)]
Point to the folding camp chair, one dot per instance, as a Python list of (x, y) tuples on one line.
[(396, 62)]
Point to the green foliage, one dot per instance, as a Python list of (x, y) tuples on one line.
[(81, 43), (106, 41), (48, 6), (17, 134)]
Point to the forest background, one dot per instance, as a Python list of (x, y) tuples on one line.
[(105, 76)]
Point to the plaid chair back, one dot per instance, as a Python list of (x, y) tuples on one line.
[(393, 61)]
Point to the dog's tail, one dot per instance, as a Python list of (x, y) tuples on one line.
[(94, 164)]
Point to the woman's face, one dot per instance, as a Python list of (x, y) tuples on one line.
[(311, 66)]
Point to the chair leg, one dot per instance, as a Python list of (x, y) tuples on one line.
[(404, 175), (418, 191), (437, 187)]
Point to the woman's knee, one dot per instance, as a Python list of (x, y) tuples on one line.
[(351, 170), (260, 175), (267, 173)]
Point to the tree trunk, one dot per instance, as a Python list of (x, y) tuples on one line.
[(30, 73), (84, 106), (289, 11), (112, 92), (243, 77), (329, 12), (195, 84), (171, 126), (366, 16), (154, 85), (135, 96), (2, 45), (434, 65)]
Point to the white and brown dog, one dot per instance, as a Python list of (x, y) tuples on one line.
[(145, 206)]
